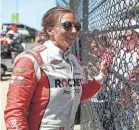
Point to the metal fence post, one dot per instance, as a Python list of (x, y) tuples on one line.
[(85, 45)]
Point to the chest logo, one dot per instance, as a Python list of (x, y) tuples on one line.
[(56, 62)]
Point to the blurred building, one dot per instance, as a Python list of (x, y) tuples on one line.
[(28, 34)]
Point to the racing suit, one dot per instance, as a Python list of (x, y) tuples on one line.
[(45, 90)]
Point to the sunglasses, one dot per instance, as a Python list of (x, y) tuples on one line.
[(68, 26)]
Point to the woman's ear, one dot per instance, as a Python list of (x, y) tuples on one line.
[(49, 31)]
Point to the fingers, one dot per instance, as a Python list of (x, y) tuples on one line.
[(105, 64), (104, 67)]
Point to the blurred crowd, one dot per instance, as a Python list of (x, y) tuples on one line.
[(10, 41), (14, 41)]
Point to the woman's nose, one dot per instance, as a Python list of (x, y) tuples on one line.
[(73, 29)]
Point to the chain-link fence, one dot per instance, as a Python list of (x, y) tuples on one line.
[(111, 32)]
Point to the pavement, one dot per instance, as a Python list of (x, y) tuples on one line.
[(77, 127), (3, 93)]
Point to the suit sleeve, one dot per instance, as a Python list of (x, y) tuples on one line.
[(21, 87), (90, 89)]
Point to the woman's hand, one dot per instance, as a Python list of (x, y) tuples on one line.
[(103, 71), (104, 67)]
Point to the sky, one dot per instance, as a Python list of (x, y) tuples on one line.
[(61, 2), (30, 11)]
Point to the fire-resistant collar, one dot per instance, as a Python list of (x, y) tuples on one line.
[(57, 50)]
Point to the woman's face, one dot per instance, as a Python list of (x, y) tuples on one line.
[(64, 38)]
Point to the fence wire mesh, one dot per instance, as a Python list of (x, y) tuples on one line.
[(113, 34)]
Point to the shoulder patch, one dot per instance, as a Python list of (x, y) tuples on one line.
[(39, 48), (19, 70), (35, 52)]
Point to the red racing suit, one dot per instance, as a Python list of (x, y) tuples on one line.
[(45, 90)]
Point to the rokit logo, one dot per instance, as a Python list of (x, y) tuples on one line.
[(68, 83)]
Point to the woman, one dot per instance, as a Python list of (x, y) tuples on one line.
[(46, 84)]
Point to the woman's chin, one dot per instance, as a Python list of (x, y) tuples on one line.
[(70, 44)]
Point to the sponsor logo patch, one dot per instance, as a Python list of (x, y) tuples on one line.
[(17, 80), (56, 62), (19, 70), (14, 124), (64, 83), (60, 68), (77, 73)]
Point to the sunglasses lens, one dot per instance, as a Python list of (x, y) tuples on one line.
[(67, 25), (78, 26)]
